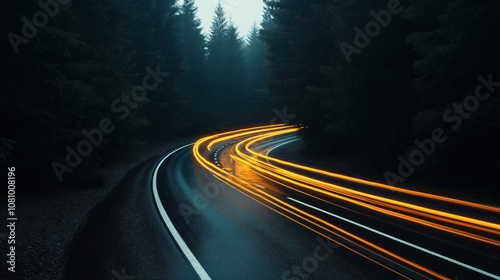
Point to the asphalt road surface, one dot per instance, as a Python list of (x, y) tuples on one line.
[(236, 213), (224, 208)]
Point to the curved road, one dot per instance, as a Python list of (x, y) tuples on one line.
[(234, 212)]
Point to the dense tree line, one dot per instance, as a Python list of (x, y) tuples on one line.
[(372, 79), (369, 78), (81, 77)]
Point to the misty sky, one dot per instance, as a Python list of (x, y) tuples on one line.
[(242, 12)]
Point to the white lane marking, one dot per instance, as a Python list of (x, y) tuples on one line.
[(277, 146), (182, 245), (401, 241), (257, 185)]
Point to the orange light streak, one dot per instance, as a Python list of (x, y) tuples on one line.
[(449, 217), (366, 182), (378, 209), (254, 193)]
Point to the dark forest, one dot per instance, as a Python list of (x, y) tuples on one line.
[(327, 142), (371, 80)]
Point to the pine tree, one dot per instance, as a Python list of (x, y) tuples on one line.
[(255, 57), (225, 64), (297, 48), (340, 97), (255, 52), (234, 64), (455, 47), (215, 46), (267, 19), (194, 82), (44, 90), (155, 36), (103, 26)]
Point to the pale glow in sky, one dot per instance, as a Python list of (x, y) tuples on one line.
[(242, 12)]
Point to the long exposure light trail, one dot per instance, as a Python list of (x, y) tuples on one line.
[(246, 154), (361, 181), (371, 207), (449, 217)]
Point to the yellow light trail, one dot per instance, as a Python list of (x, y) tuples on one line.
[(365, 182), (240, 133), (424, 211), (274, 203), (338, 195), (375, 208)]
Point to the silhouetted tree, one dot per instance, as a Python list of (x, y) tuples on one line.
[(255, 52), (255, 57), (194, 82), (44, 91), (225, 64), (348, 99), (455, 47)]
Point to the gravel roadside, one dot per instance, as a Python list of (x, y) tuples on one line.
[(48, 220)]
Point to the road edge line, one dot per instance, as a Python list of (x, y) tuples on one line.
[(173, 231), (459, 263)]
